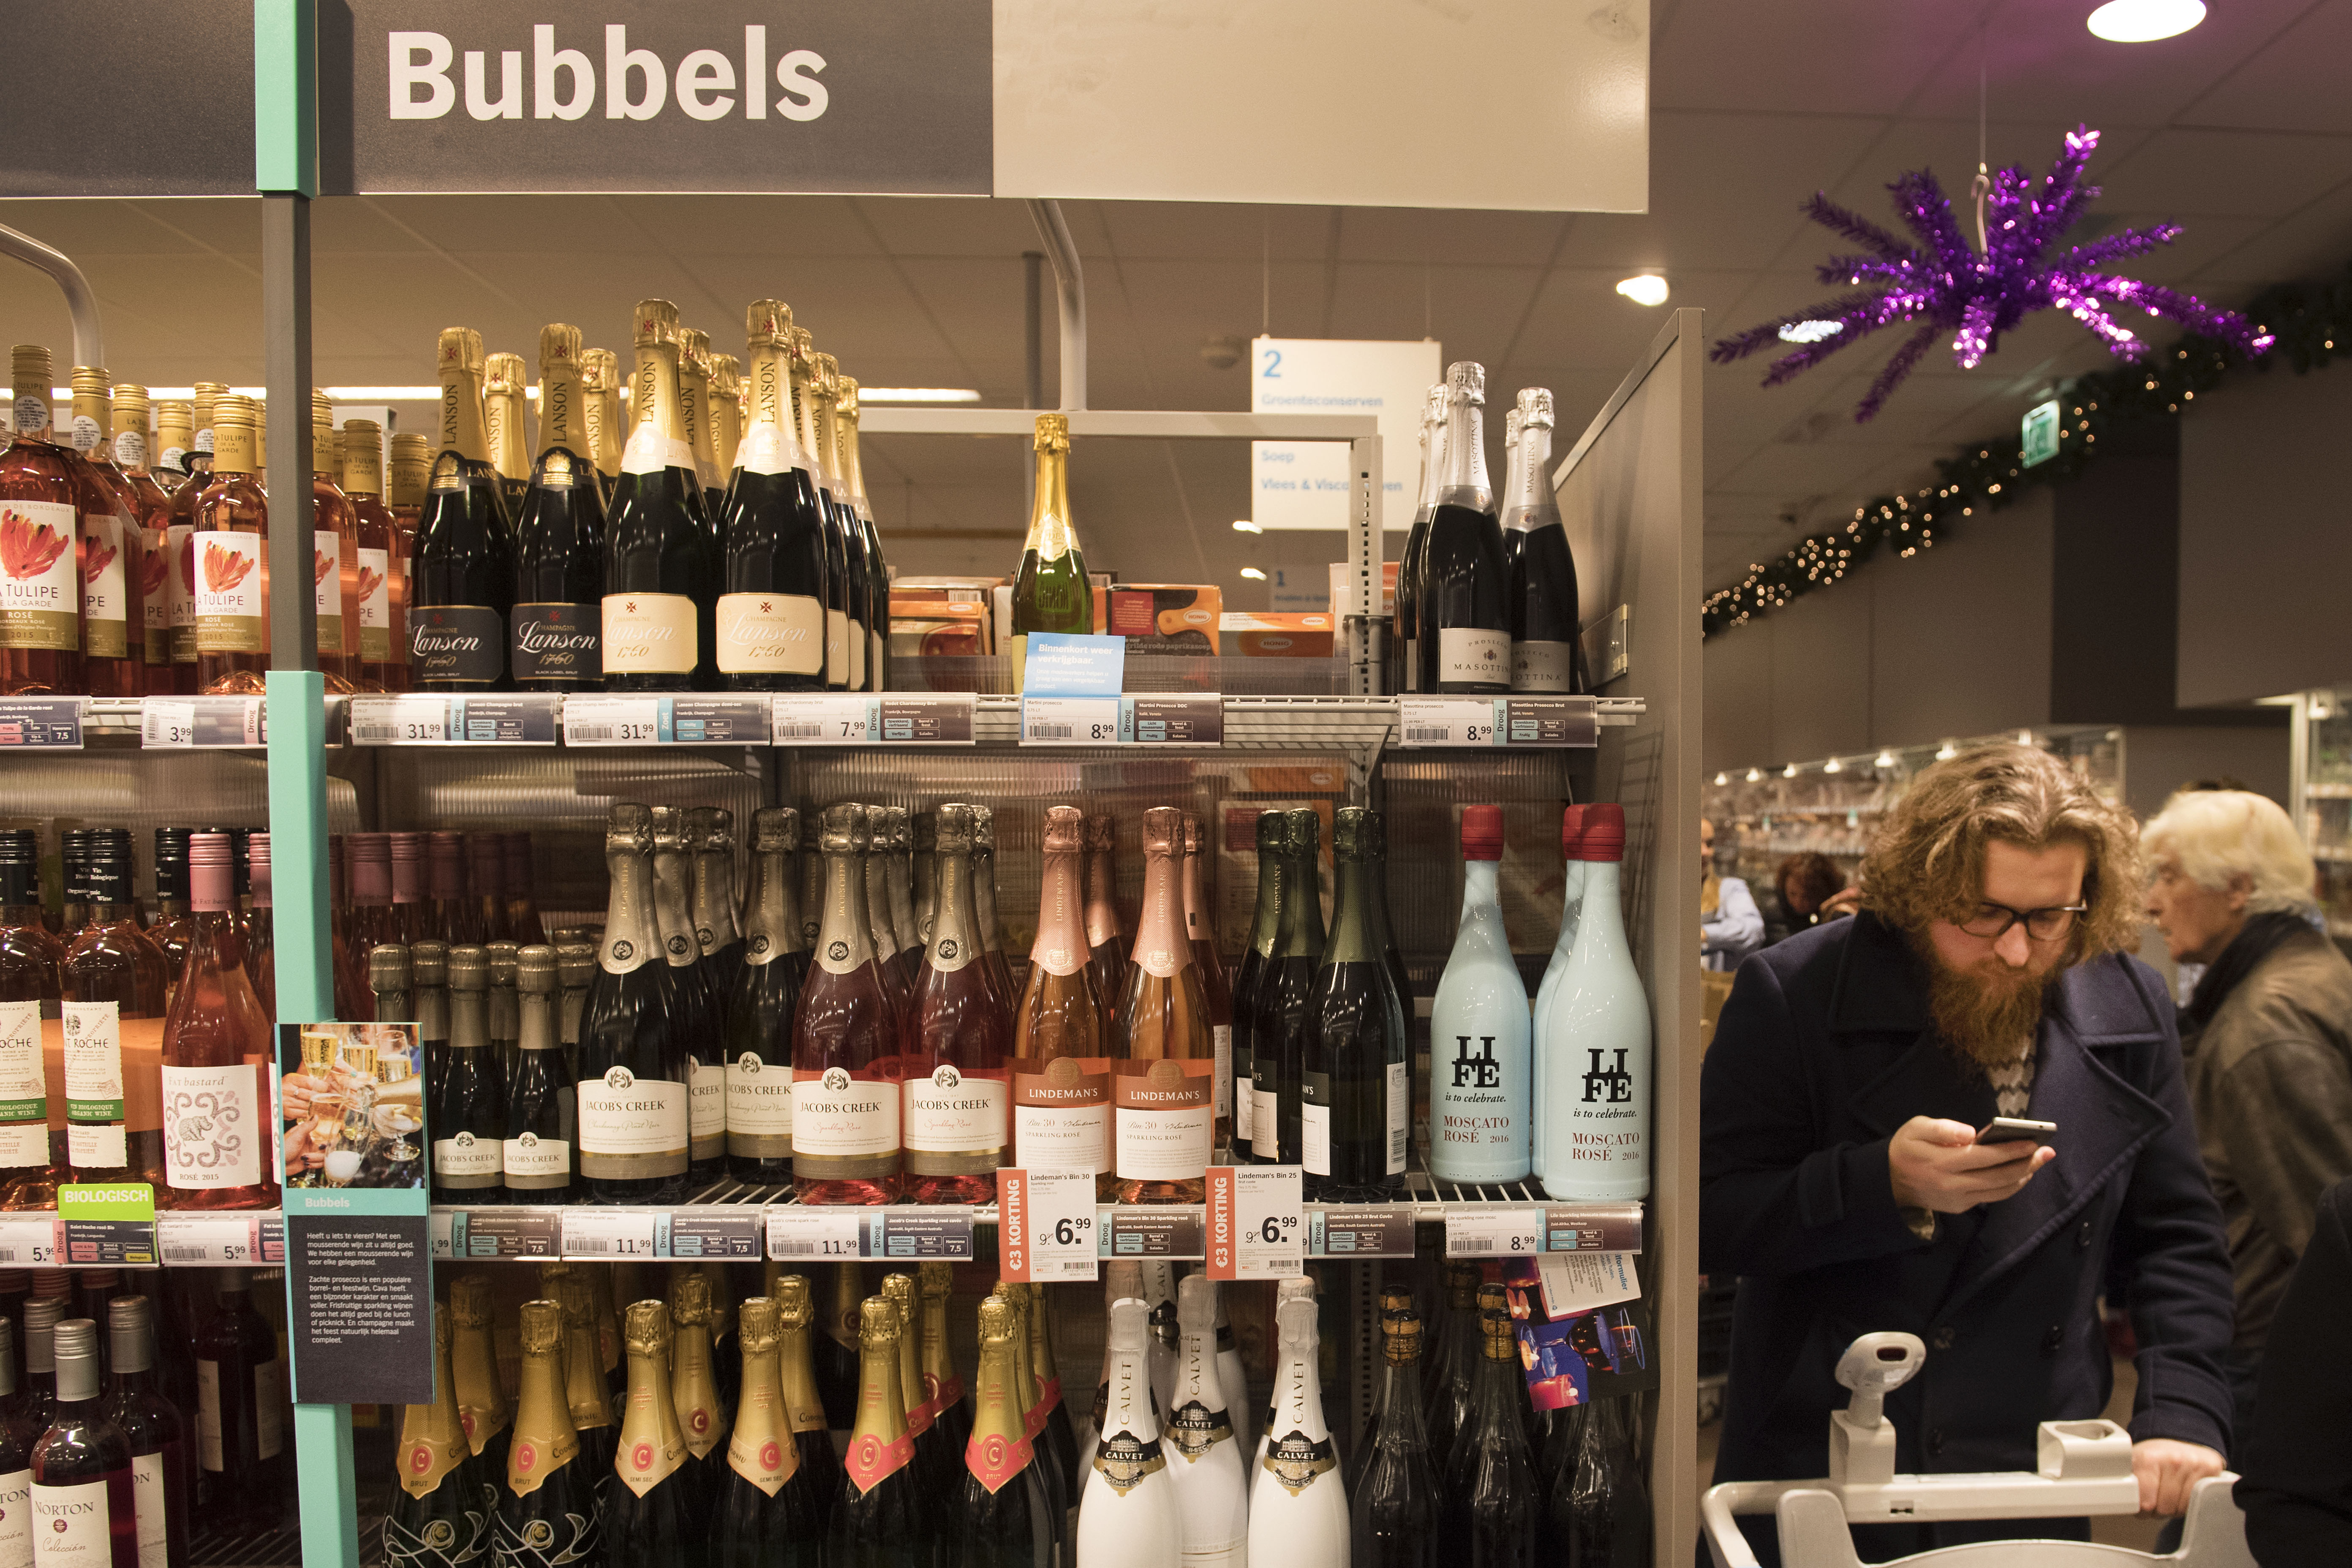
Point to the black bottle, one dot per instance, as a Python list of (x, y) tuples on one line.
[(1462, 596), (461, 581), (661, 565), (771, 608), (556, 637)]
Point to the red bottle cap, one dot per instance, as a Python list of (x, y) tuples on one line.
[(1605, 833), (1571, 832), (1482, 833)]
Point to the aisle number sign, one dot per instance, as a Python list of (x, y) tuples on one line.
[(1304, 484)]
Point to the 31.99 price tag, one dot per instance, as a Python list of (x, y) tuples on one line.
[(1256, 1224), (1045, 1225)]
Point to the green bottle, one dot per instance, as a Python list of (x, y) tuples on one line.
[(1051, 593)]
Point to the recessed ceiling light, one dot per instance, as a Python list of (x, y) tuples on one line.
[(1244, 525), (1789, 772), (1723, 778), (1253, 574), (918, 394), (1947, 752), (1755, 775), (1810, 332), (1886, 760), (1644, 289), (2145, 21)]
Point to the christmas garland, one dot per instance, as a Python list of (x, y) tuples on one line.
[(2309, 323)]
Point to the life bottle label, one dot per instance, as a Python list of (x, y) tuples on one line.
[(759, 1108), (466, 643), (105, 599), (649, 634), (39, 597), (558, 642), (632, 1128), (232, 616), (770, 633), (1466, 654)]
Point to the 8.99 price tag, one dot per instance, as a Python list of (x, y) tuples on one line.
[(1256, 1224), (1045, 1225)]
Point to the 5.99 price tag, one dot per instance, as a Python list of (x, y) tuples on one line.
[(1256, 1224), (1045, 1225)]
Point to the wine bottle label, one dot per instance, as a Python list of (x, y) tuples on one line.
[(558, 642), (17, 1517), (955, 1121), (155, 592), (232, 616), (1245, 1103), (375, 604), (92, 1036), (770, 633), (759, 1108), (97, 1148), (129, 449), (643, 1462), (461, 643), (71, 1526), (269, 1393), (1469, 655), (175, 457), (871, 1460), (768, 447), (150, 1508), (649, 634), (208, 1416), (1400, 1117), (327, 583), (105, 600), (845, 1126), (23, 1088), (837, 643), (1162, 1118), (1061, 1113), (85, 433), (39, 597), (1162, 959), (1315, 1122), (181, 592), (705, 1110), (545, 1543), (632, 1128), (994, 1458), (214, 1126), (854, 638), (766, 1458), (535, 1162), (1124, 1459), (1222, 1036), (1193, 1429), (1297, 1460), (205, 442), (875, 643), (1543, 665), (468, 1163), (424, 1463)]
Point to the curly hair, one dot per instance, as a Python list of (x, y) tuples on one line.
[(1813, 874), (1926, 861)]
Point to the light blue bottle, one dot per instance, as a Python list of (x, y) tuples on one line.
[(1572, 903), (1598, 1078), (1478, 1029)]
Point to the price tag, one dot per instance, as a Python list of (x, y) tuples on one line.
[(612, 722), (499, 1233), (441, 1234), (1445, 722), (1551, 722), (204, 721), (218, 1240), (1045, 1225), (1195, 721), (164, 722), (603, 1233), (269, 1237), (715, 720), (504, 721), (26, 1242), (923, 1233), (1070, 720), (1493, 1232), (109, 1243), (796, 1231), (1138, 1233), (1255, 1226), (404, 721), (1592, 1227), (1377, 1230), (715, 1231), (943, 719), (42, 724)]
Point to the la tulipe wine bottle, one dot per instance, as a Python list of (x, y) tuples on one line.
[(846, 1047), (1265, 930), (1212, 1486), (1355, 1090), (1278, 1045), (772, 609), (547, 1515), (1130, 1511), (661, 565), (555, 631), (879, 1521), (1545, 651), (1463, 594), (231, 547), (1061, 1071), (769, 1514), (1393, 1495), (633, 1123), (1164, 1100), (1299, 1504), (1595, 1114), (957, 1043), (461, 587), (113, 539), (1571, 902), (694, 999), (651, 1513), (440, 1517), (1404, 634), (1478, 1033), (382, 576), (759, 1029), (335, 563), (999, 1516)]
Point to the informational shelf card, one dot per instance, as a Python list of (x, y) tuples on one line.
[(799, 1231), (873, 718), (203, 722), (1494, 1233), (1526, 722), (41, 723), (1256, 1225), (594, 720), (418, 718), (1045, 1225)]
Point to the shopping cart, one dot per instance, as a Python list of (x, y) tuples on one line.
[(2080, 1467)]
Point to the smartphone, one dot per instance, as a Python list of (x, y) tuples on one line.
[(2016, 1130)]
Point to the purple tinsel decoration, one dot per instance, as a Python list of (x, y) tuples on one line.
[(1948, 287)]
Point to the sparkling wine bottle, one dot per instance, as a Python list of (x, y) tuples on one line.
[(440, 1516), (834, 1350), (1599, 1507), (468, 1117), (710, 836), (1278, 1045), (114, 984), (823, 389), (231, 546), (999, 1516), (900, 879), (1059, 1474), (584, 1393), (768, 1512), (1354, 1087), (1201, 931), (1492, 1507), (758, 1039), (1299, 1504), (1105, 938), (523, 925), (600, 401), (633, 1062), (983, 906), (694, 413), (84, 1506), (547, 1515), (1130, 1511), (846, 1047), (801, 368), (693, 1387), (935, 1463), (1212, 1489), (502, 428), (40, 544), (883, 824), (694, 1007), (652, 1511), (803, 1407), (1596, 1109), (1051, 592), (1233, 1375), (1571, 901), (879, 1521), (942, 1389), (482, 1407), (726, 411), (1165, 1343), (215, 1050), (115, 629), (1404, 634), (162, 1467), (461, 589), (661, 566), (1545, 651), (554, 633), (1478, 1029), (1392, 1493), (541, 1129), (1249, 980), (878, 570), (958, 1043), (1163, 1109), (1061, 1074), (1296, 1288), (381, 586), (428, 968), (1463, 600)]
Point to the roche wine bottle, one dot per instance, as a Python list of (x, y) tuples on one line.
[(1299, 1504), (1265, 930), (1463, 595), (1492, 1507), (633, 1063), (1061, 1074), (759, 1026), (541, 1128), (879, 1521), (1211, 1488), (462, 585), (1596, 1108), (482, 1407), (1478, 1099), (768, 1514), (440, 1517), (114, 981), (958, 1043), (1404, 631), (999, 1516), (554, 629), (771, 617), (217, 1044), (651, 1513), (661, 571), (845, 1069), (1051, 592), (1354, 1088), (1163, 1104), (84, 1505), (1545, 648), (1392, 1494), (1571, 901), (1105, 937), (468, 1117), (694, 1005), (547, 1515), (1278, 1045), (1130, 1511)]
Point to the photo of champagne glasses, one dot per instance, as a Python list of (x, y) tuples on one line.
[(353, 1104)]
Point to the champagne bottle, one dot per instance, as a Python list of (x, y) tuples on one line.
[(834, 1350), (652, 1511), (633, 1063), (942, 1389), (1492, 1505), (85, 1508), (1596, 1109), (958, 1042), (599, 403), (589, 1400), (1297, 1288), (1249, 980), (1060, 1476), (900, 878), (1355, 1090), (1130, 1511), (1061, 1074), (878, 570), (801, 410), (882, 823), (710, 833), (1479, 1029), (999, 1516), (842, 522), (1546, 654), (879, 1521), (1597, 1509), (462, 587), (1212, 1489), (1571, 901), (1104, 936), (502, 428), (1453, 1384), (1278, 1047), (1234, 1376), (1298, 1505), (726, 413), (661, 571), (935, 1464), (547, 1515), (769, 1515), (540, 1129), (1392, 1494), (216, 1045), (758, 1039), (1165, 1343), (232, 557), (482, 1407), (523, 923), (1163, 1108), (694, 1016), (555, 633), (428, 968), (845, 1068), (805, 1411), (440, 1517), (693, 1388), (1200, 930), (1405, 633), (983, 906), (1384, 941), (1051, 592), (1463, 595), (469, 1118)]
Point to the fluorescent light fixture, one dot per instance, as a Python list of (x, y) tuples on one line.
[(1244, 525), (395, 393), (1722, 778), (1644, 289), (918, 394), (1810, 332), (1253, 574), (1947, 752), (2145, 21), (1789, 772), (2025, 737)]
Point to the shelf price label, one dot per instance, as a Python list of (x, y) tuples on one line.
[(1257, 1227), (1374, 1230), (42, 724), (1045, 1225), (611, 1234), (715, 1231), (421, 719), (1070, 720), (410, 720), (666, 720), (1494, 1233), (941, 719), (28, 1242), (1524, 721), (796, 1231), (229, 1239), (1195, 720), (203, 722), (1148, 1233), (460, 1233)]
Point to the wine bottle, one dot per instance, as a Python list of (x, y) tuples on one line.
[(1051, 592), (1105, 938), (468, 1117), (812, 875), (440, 1516), (1492, 1507), (1572, 900), (1201, 931), (726, 413), (1249, 980), (149, 506), (160, 1465), (935, 1463), (232, 558), (835, 1353), (768, 1512), (84, 1509), (1059, 1475), (999, 1516), (983, 904), (1212, 1489), (661, 570), (1384, 943), (335, 563), (19, 1430), (411, 855), (548, 1514), (381, 589), (215, 1049), (1061, 1071), (584, 1394), (1163, 1109), (1392, 1494), (846, 1065), (878, 570), (1354, 1087), (1298, 1506), (113, 983), (1165, 1344), (540, 1128), (759, 1014), (694, 1016), (1465, 590), (711, 834), (462, 586), (180, 530), (900, 878), (241, 1412), (652, 1514), (942, 1389), (882, 822), (693, 1387), (260, 940), (1130, 1511), (503, 1010), (428, 971), (503, 375), (694, 414), (771, 614), (633, 1121), (1405, 631), (600, 405), (842, 521), (1479, 1029), (1286, 987), (486, 887), (957, 1044), (523, 925), (801, 371), (37, 1400), (1546, 651), (805, 1413), (554, 633), (879, 1521), (482, 1408), (114, 630), (1235, 1378), (40, 554), (1595, 1113), (575, 968), (1296, 1288)]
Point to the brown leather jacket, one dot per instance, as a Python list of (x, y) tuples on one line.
[(2270, 1078)]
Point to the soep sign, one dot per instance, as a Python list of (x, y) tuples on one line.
[(647, 95)]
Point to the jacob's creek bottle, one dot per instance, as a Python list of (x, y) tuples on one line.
[(633, 1065)]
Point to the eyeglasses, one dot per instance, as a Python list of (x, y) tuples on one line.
[(1991, 922)]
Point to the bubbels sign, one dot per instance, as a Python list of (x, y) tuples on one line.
[(650, 95)]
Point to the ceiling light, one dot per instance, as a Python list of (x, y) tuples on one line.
[(2025, 737), (1789, 772), (1886, 760), (1253, 574), (1244, 525), (1721, 779), (1755, 775), (1947, 752), (1810, 332), (1644, 289), (1833, 766), (2145, 21), (918, 394)]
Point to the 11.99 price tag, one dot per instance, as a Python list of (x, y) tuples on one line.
[(1256, 1225), (1045, 1225)]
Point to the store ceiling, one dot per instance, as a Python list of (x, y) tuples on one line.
[(2239, 130)]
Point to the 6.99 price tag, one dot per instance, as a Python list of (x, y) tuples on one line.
[(1256, 1224), (1045, 1225)]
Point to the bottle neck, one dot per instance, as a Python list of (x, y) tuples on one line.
[(130, 446), (537, 1029), (996, 1409), (881, 1406), (694, 414), (983, 898), (844, 944), (462, 430), (1351, 940), (670, 909), (542, 1421), (1528, 502), (1433, 464), (1302, 910), (877, 904), (657, 438), (1400, 1406), (1197, 926), (1464, 484), (631, 938), (1061, 945), (938, 1365), (1161, 946), (391, 1004), (954, 941), (714, 899), (1481, 889), (1128, 1405), (852, 474), (828, 447), (583, 1376), (910, 1375), (1266, 926), (803, 1410), (650, 1416), (771, 444), (1050, 537), (33, 411), (771, 926), (803, 417), (1197, 1379), (1299, 1394), (1599, 921), (562, 416), (469, 1023)]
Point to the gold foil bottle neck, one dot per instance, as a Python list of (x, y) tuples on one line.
[(775, 830), (130, 406), (599, 370), (89, 380), (768, 324), (646, 1329), (694, 351), (996, 1325), (878, 1324), (726, 376), (935, 1279), (29, 361), (794, 1309), (579, 1303), (559, 347), (449, 349), (1102, 832), (845, 404), (757, 1324), (1053, 433), (542, 1327), (470, 1302), (656, 325), (828, 378), (1066, 830), (689, 1301), (505, 375)]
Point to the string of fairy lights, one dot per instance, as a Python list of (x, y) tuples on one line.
[(2308, 321)]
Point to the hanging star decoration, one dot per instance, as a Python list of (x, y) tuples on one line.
[(1977, 293)]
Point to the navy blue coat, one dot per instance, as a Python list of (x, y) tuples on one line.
[(1823, 1050)]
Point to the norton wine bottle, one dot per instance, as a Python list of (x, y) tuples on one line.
[(759, 1025), (461, 585), (555, 631), (694, 1019), (661, 571), (1478, 1098), (998, 1516), (1492, 1507), (547, 1515), (1212, 1482), (879, 1521), (652, 1512), (440, 1517), (1393, 1495), (633, 1063), (768, 1514), (1464, 591), (1546, 654), (469, 1118), (541, 1129), (1051, 592), (1278, 1048), (1355, 1091), (1265, 930), (1404, 661), (771, 606), (84, 1509)]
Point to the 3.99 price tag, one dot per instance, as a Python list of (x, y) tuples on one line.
[(1045, 1225), (1256, 1224)]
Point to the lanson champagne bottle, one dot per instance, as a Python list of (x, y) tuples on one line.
[(999, 1516), (769, 1514), (1298, 1505), (1571, 901), (440, 1515), (1492, 1505), (1392, 1499), (461, 585), (1596, 1108), (651, 1512), (770, 616), (1211, 1488), (1478, 1029), (1545, 651), (661, 569), (1405, 634), (1249, 980), (633, 1064), (1050, 591), (694, 409), (880, 1521), (1463, 594), (502, 421), (1278, 1047), (1355, 1090), (556, 643), (759, 1029), (548, 1515), (694, 1016), (1130, 1512)]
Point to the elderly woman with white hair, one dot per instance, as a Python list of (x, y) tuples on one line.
[(2266, 1038)]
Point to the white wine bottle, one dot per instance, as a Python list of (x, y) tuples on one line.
[(1160, 1296), (1130, 1513), (1298, 1505), (1595, 1116), (1478, 1039), (1230, 1370), (1571, 902), (1297, 1288), (1122, 1277), (1205, 1458)]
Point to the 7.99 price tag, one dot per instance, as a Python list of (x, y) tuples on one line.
[(1045, 1225), (1256, 1224)]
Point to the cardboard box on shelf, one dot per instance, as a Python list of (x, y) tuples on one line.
[(1388, 588), (929, 628), (1241, 635), (984, 593), (1161, 618)]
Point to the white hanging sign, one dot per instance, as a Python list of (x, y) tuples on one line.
[(1304, 484)]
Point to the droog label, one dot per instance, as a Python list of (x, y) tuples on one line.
[(213, 1133)]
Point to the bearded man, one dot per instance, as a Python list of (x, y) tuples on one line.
[(1842, 1179)]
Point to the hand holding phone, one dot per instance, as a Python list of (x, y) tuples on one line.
[(2016, 1130)]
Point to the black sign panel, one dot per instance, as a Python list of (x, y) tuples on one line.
[(362, 1317), (129, 98), (650, 95)]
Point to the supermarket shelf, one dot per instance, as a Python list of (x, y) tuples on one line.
[(232, 1545), (220, 1240)]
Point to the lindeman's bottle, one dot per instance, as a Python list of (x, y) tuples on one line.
[(555, 642), (461, 588)]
